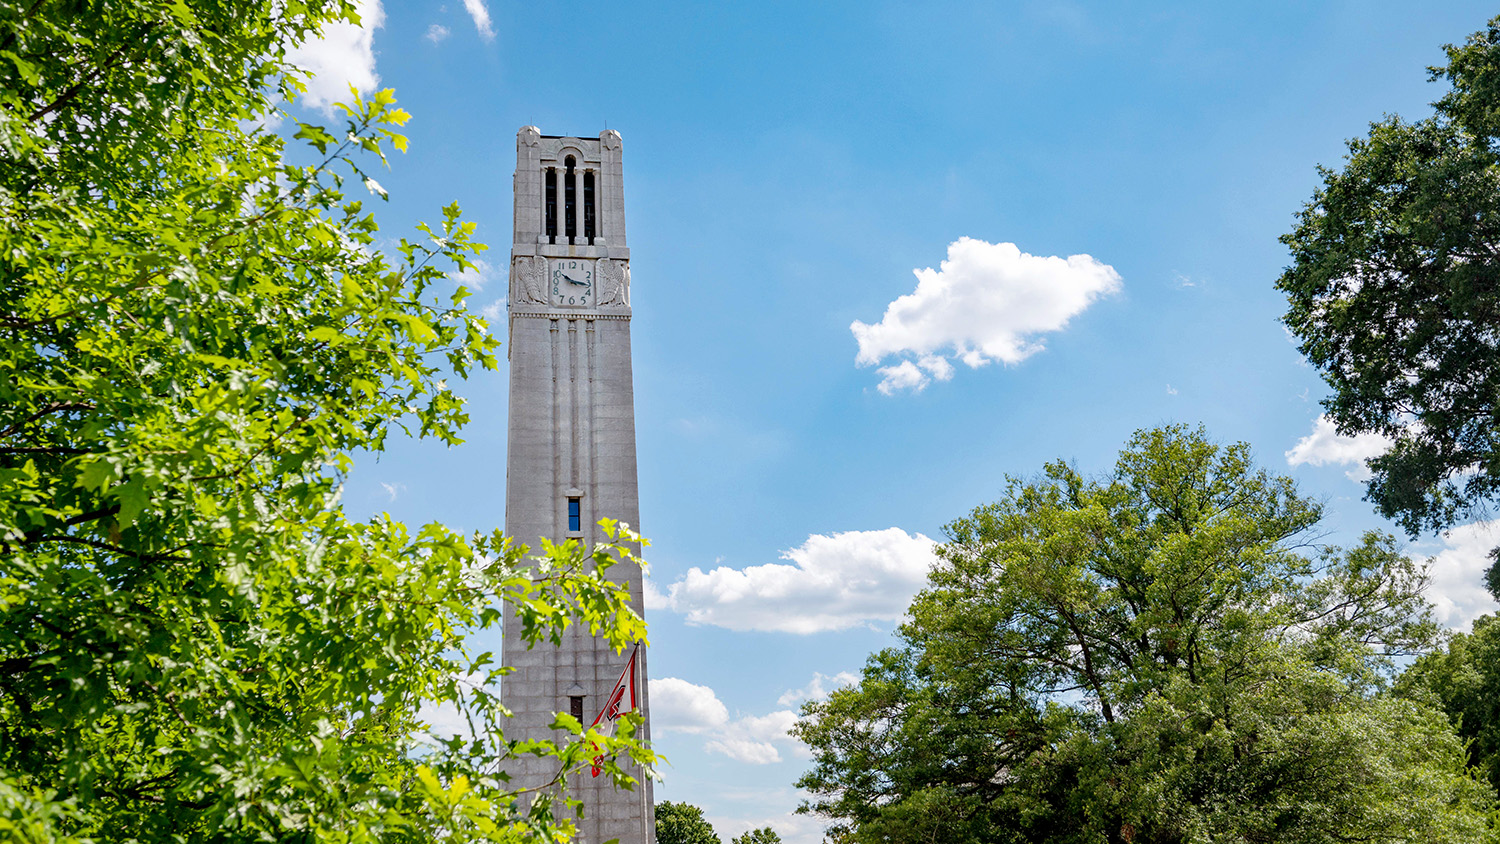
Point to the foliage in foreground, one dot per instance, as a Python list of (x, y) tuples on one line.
[(1159, 655), (683, 823), (1394, 292), (195, 643)]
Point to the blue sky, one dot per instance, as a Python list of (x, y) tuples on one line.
[(794, 169)]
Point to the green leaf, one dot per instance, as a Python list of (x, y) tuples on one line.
[(133, 497), (317, 136), (97, 474), (28, 71)]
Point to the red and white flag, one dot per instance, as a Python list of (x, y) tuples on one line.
[(621, 699)]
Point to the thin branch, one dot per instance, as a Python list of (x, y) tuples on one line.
[(104, 546), (49, 409), (72, 92)]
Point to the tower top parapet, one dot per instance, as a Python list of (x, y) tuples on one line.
[(568, 193)]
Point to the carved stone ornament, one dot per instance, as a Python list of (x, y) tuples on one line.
[(528, 280), (611, 139), (530, 136), (614, 278)]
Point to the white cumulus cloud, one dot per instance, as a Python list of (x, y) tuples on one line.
[(444, 719), (1456, 574), (745, 750), (655, 599), (775, 726), (437, 32), (343, 55), (481, 17), (680, 706), (987, 302), (903, 376), (832, 583), (753, 739), (907, 375), (816, 688), (1326, 446), (475, 277)]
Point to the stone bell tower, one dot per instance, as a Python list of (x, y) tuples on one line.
[(571, 444)]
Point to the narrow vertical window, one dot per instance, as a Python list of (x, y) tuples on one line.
[(575, 707), (551, 205), (575, 515), (570, 202), (588, 206)]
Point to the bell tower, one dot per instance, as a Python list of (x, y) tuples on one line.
[(571, 439)]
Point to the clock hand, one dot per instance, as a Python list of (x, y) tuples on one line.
[(572, 280)]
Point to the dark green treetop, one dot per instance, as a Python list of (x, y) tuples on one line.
[(1463, 678), (1162, 654), (1394, 293), (682, 823)]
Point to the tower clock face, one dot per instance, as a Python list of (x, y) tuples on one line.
[(572, 282)]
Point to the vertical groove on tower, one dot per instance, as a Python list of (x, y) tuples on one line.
[(575, 398), (559, 447), (591, 493)]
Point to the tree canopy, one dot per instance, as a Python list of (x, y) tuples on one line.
[(1159, 655), (1394, 293), (763, 835), (1463, 679), (683, 823), (196, 334)]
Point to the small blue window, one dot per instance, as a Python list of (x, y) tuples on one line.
[(575, 515)]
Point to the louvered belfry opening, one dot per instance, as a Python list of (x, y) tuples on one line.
[(551, 205), (570, 201)]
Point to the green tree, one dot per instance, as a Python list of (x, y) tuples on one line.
[(1158, 655), (1464, 680), (1394, 292), (764, 835), (195, 335), (681, 823)]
